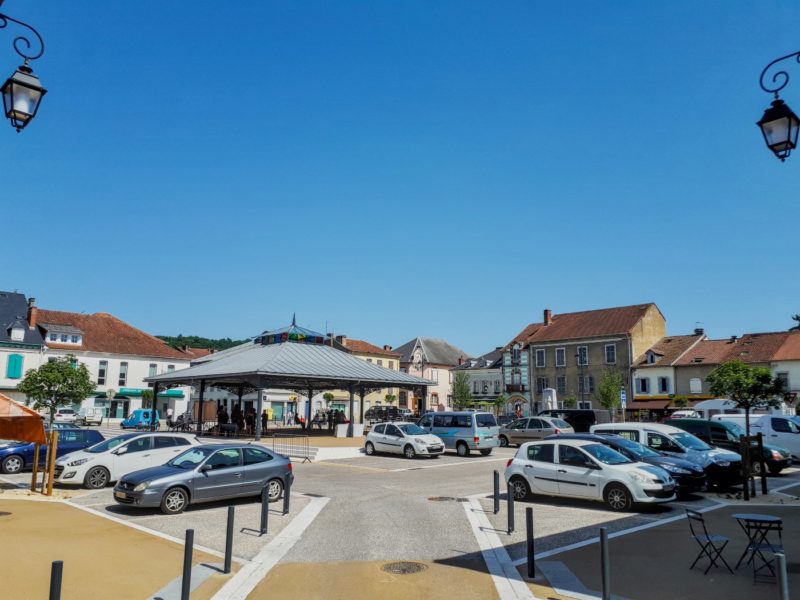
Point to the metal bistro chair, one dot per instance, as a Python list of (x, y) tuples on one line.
[(711, 545), (759, 543)]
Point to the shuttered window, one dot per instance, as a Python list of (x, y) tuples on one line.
[(14, 367)]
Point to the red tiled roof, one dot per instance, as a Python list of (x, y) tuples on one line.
[(591, 323), (198, 352), (103, 332), (363, 347), (750, 348), (790, 350), (668, 349), (523, 336)]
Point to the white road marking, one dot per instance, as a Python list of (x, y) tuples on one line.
[(245, 581), (449, 464)]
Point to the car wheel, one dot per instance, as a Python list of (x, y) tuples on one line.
[(175, 501), (520, 488), (486, 451), (503, 441), (775, 470), (462, 449), (12, 464), (409, 452), (274, 489), (96, 478), (618, 498), (369, 449)]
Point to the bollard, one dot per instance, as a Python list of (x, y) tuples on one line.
[(605, 564), (286, 492), (229, 541), (783, 581), (510, 492), (496, 492), (264, 510), (56, 571), (529, 531), (186, 580)]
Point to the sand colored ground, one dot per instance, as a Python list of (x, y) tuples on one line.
[(102, 559), (356, 580)]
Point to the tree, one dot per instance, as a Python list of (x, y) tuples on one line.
[(680, 401), (390, 399), (499, 403), (147, 398), (796, 327), (462, 396), (570, 402), (608, 391), (55, 384), (328, 397), (747, 386)]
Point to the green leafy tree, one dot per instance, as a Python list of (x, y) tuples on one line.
[(54, 384), (608, 392), (328, 397), (390, 399), (499, 403), (147, 398), (796, 318), (462, 396), (747, 386), (196, 341), (680, 401), (570, 402)]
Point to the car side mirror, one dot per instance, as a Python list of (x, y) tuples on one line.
[(590, 464), (205, 468), (122, 450)]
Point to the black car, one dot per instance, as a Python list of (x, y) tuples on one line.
[(688, 476), (580, 419), (375, 414)]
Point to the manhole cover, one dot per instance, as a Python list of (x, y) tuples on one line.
[(793, 567), (404, 568), (447, 499)]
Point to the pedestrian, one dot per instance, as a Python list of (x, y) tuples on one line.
[(264, 420)]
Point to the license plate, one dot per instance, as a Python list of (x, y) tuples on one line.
[(120, 495)]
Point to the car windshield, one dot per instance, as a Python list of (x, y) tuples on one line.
[(687, 440), (635, 448), (107, 445), (735, 429), (605, 454), (560, 423), (485, 420), (191, 458), (411, 429)]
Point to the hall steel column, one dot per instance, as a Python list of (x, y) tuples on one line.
[(153, 408), (424, 402), (259, 408), (361, 394), (200, 407), (352, 407)]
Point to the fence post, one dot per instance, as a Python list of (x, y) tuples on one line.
[(229, 541), (287, 490), (763, 466), (56, 572), (744, 449), (186, 580), (510, 507), (529, 532), (605, 563), (783, 581), (264, 510), (496, 492)]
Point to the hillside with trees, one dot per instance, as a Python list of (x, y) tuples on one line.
[(196, 341)]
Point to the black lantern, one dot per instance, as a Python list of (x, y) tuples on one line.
[(780, 125), (22, 94)]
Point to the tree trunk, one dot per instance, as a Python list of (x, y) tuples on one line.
[(747, 421)]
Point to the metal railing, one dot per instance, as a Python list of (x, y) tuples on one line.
[(291, 444)]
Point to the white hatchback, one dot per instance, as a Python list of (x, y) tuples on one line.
[(64, 415), (586, 469), (97, 466), (407, 439)]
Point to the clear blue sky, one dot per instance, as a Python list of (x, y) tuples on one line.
[(403, 168)]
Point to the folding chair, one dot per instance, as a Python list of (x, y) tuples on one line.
[(711, 545), (759, 543)]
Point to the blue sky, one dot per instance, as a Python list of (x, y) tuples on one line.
[(396, 169)]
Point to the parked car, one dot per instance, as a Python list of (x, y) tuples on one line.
[(65, 415), (579, 418), (90, 416), (16, 456), (107, 461), (505, 419), (586, 469), (140, 419), (463, 431), (688, 476), (532, 428), (204, 474), (722, 467), (726, 434), (779, 429), (48, 426), (375, 414), (407, 439)]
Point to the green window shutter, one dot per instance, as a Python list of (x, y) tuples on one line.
[(14, 368)]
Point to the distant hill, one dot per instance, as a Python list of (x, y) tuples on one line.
[(195, 341)]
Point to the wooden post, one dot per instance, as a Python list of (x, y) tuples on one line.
[(51, 463), (36, 449)]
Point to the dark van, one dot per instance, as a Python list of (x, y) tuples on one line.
[(375, 414), (579, 418)]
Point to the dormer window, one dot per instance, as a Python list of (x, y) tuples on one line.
[(17, 334), (651, 358)]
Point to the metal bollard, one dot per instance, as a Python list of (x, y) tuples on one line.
[(496, 492), (510, 507), (286, 493), (56, 572), (229, 541), (264, 510), (783, 581), (529, 531), (186, 580), (605, 564)]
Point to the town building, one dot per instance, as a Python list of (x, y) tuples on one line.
[(786, 365), (430, 358), (570, 352), (485, 377)]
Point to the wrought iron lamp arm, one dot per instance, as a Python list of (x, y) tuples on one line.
[(22, 44), (781, 78)]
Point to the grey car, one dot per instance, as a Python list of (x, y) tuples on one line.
[(528, 429), (204, 474)]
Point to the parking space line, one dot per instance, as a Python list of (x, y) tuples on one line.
[(447, 464), (329, 463)]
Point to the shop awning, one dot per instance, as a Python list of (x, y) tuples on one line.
[(648, 405), (18, 422)]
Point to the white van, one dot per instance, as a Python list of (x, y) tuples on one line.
[(89, 416)]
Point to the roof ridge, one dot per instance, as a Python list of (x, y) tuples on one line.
[(580, 312)]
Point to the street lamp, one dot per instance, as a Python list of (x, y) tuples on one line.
[(22, 92), (779, 125)]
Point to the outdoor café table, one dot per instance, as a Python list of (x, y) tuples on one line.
[(757, 528)]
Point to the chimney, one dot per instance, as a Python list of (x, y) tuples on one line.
[(699, 331), (33, 313), (733, 339), (387, 347), (342, 339), (460, 360), (548, 316)]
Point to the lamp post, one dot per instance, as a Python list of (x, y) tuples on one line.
[(779, 125), (580, 356), (22, 91)]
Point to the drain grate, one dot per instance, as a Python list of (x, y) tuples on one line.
[(403, 568), (446, 499)]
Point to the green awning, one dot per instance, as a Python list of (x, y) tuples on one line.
[(171, 394)]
